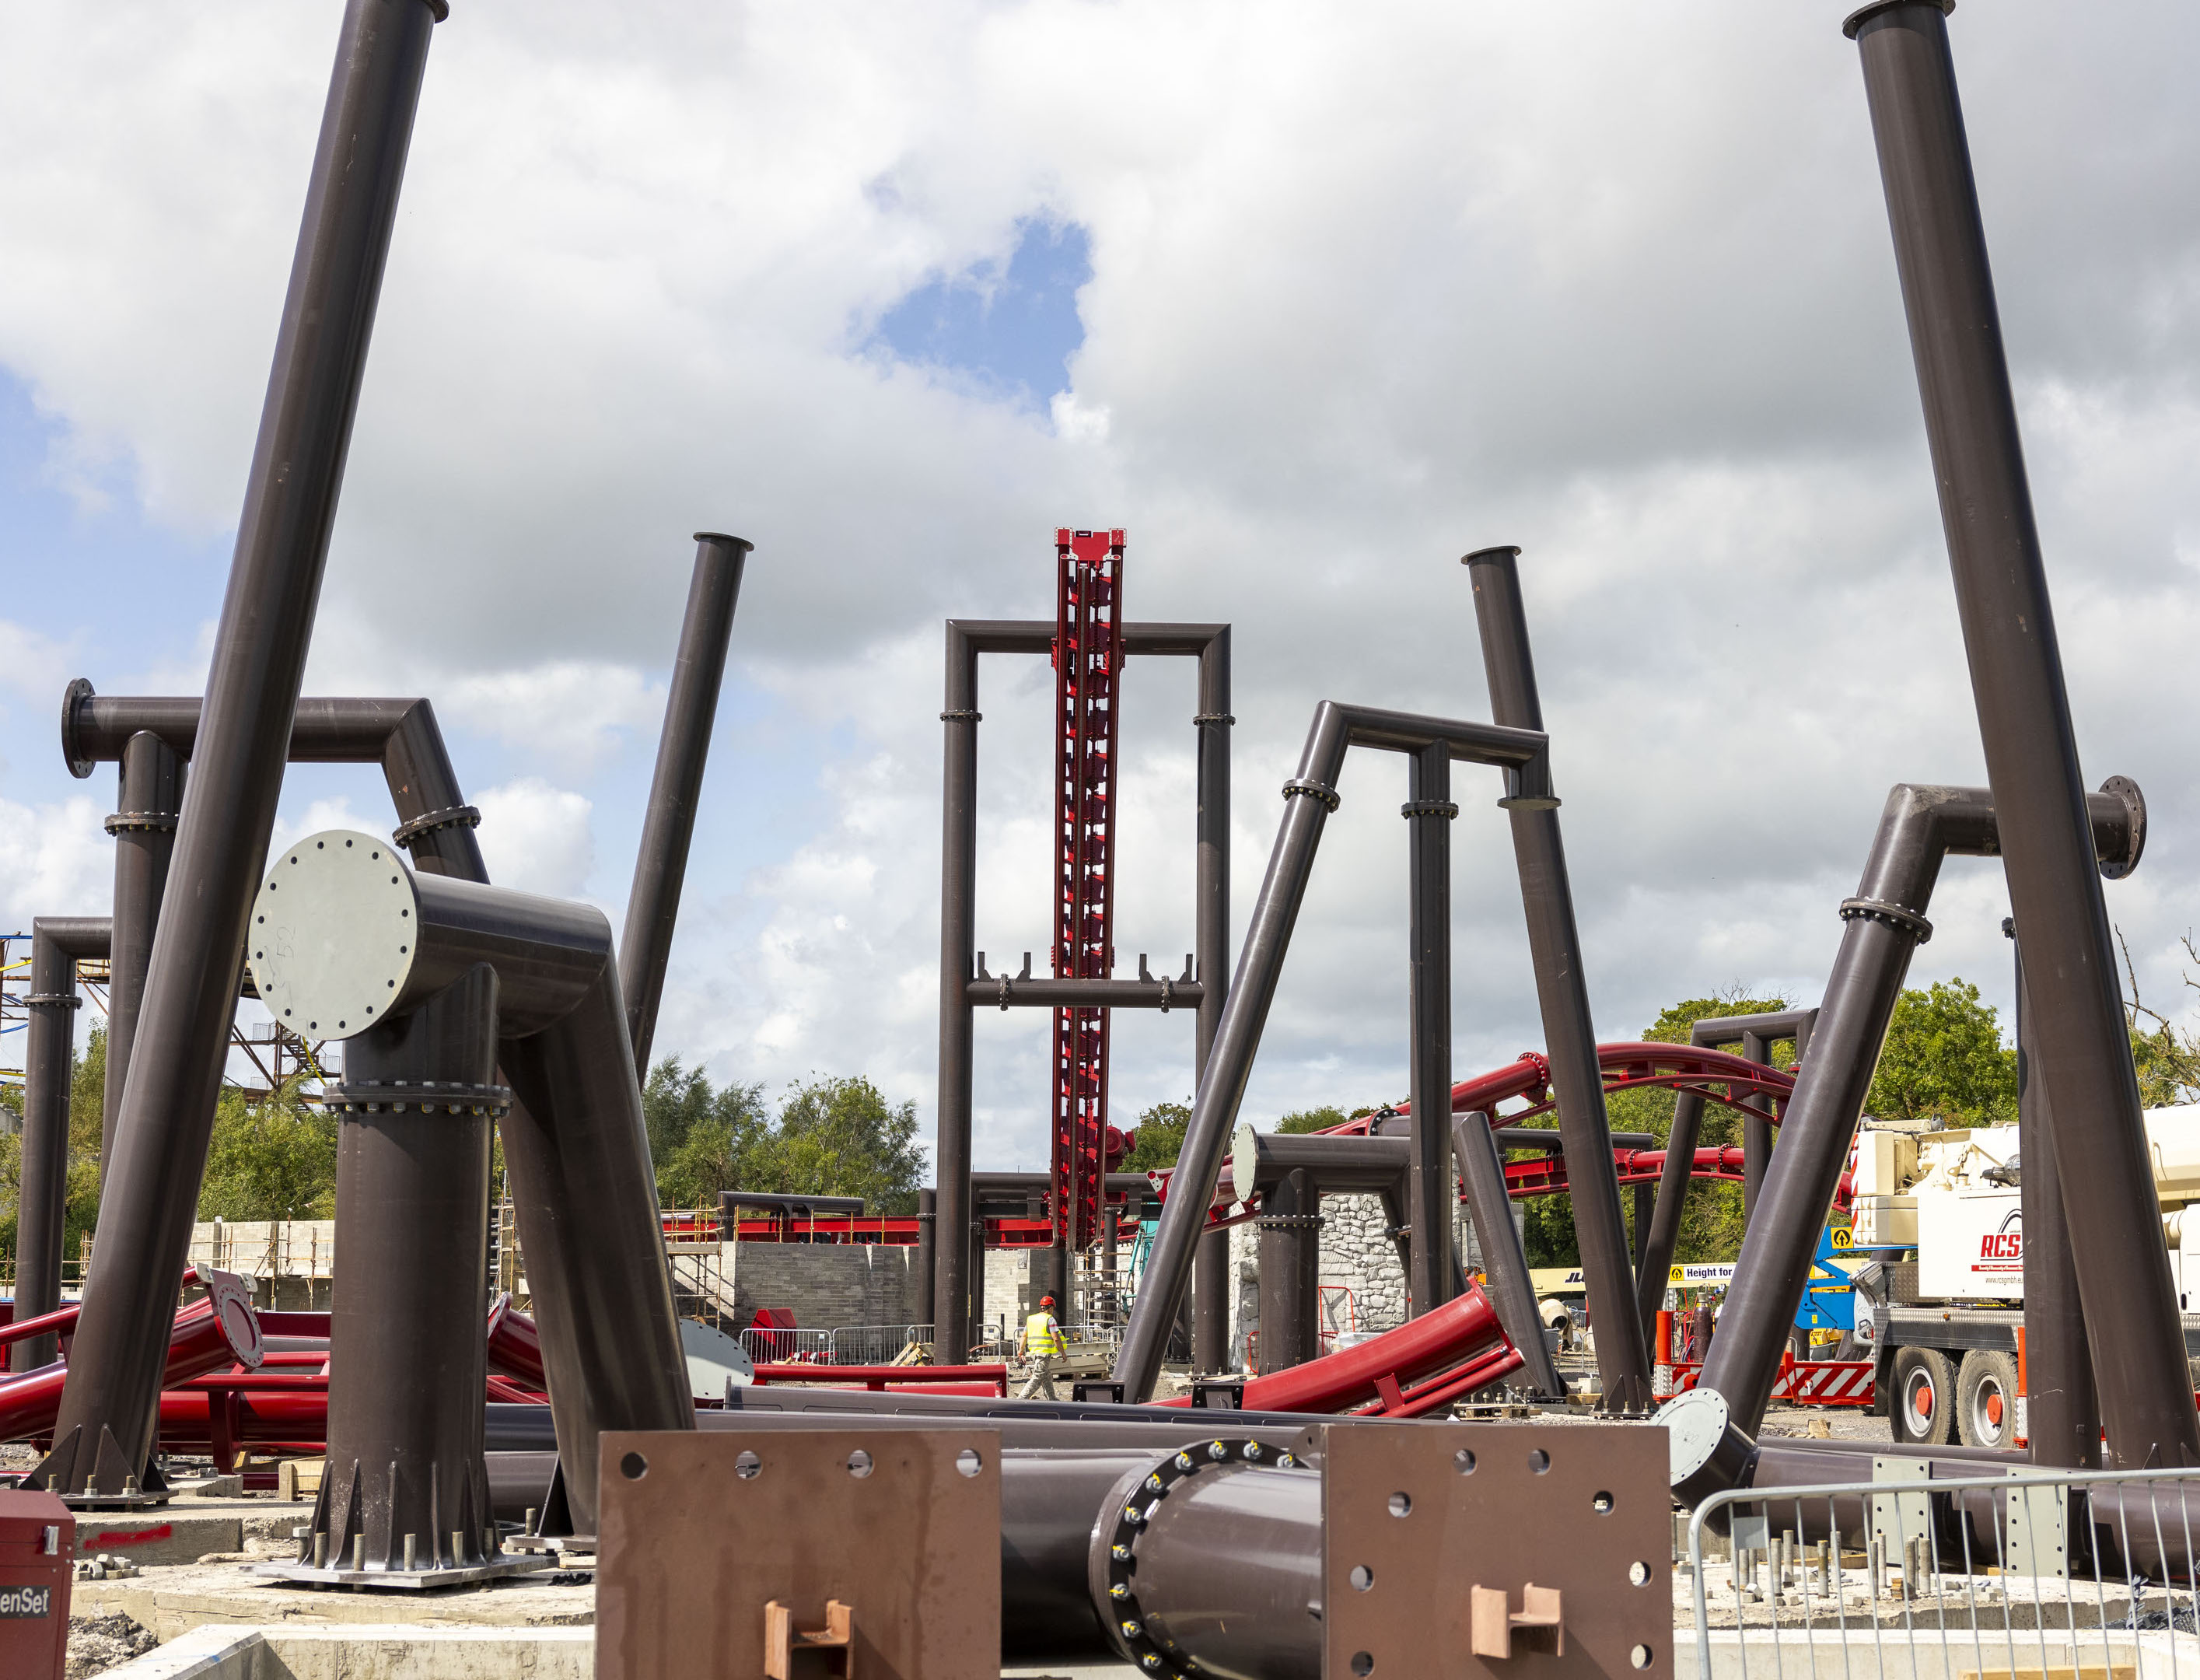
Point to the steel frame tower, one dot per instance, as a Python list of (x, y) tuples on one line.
[(1088, 663)]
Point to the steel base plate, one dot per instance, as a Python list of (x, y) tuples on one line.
[(1416, 1515), (402, 1580), (115, 1502)]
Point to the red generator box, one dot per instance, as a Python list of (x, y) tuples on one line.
[(38, 1547)]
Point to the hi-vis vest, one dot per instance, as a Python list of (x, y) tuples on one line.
[(1041, 1339)]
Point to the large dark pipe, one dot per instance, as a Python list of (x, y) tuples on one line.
[(1885, 924), (690, 709), (1623, 1351), (609, 1339), (57, 943), (1290, 1273), (798, 1207), (927, 1253), (1309, 798), (1654, 1268), (1504, 1257), (1210, 917), (2024, 724), (236, 773), (1430, 1199), (144, 829), (2063, 1408), (952, 1311), (1224, 1572), (406, 1486)]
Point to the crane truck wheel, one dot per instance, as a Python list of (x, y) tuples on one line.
[(1986, 1399), (1923, 1409)]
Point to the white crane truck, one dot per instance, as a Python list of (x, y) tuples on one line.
[(1941, 1321)]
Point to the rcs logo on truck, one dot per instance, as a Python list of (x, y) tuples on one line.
[(2008, 1242), (19, 1604)]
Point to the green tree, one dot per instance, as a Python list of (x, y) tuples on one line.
[(1160, 1138), (270, 1157), (87, 1096), (840, 1137), (702, 1140), (1315, 1120), (1944, 1056), (2166, 1057)]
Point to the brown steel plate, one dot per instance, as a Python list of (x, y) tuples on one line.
[(691, 1549), (1596, 1513)]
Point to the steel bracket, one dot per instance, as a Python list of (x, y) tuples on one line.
[(1413, 1516), (704, 1535)]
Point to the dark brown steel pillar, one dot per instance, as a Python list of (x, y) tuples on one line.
[(1291, 1273), (1429, 813), (1644, 1208), (1210, 911), (406, 1351), (1623, 1350), (1503, 1257), (259, 651), (2062, 1409), (1655, 1265), (49, 1063), (1210, 1287), (957, 1290), (660, 866), (144, 829), (2025, 727), (927, 1242), (1756, 1131), (973, 1269)]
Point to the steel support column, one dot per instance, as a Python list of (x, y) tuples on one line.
[(2024, 724), (143, 825), (1291, 1273), (675, 790), (1512, 1289), (1885, 924), (229, 809), (2063, 1408), (1429, 813), (1210, 918), (928, 1254), (954, 1289), (1622, 1347), (1309, 796), (49, 1063)]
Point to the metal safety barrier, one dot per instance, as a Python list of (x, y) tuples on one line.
[(1904, 1577), (878, 1344)]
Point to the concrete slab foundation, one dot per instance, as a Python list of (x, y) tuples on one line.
[(172, 1602)]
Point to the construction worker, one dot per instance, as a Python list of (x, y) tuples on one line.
[(1041, 1343)]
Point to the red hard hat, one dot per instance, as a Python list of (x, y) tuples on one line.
[(1046, 1300)]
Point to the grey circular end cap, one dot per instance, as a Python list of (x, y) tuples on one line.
[(1244, 1157), (334, 933), (1695, 1426)]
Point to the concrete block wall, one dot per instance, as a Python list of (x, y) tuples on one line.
[(1356, 1255), (828, 1285)]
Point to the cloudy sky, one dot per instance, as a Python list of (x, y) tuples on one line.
[(1312, 300)]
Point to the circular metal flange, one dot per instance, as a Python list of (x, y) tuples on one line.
[(334, 933), (1288, 1222), (141, 821), (962, 717), (429, 1096), (1127, 1625), (80, 762), (1890, 915), (1530, 802), (1447, 809), (427, 822), (1856, 20), (1222, 718), (1313, 790), (2123, 787), (54, 1000)]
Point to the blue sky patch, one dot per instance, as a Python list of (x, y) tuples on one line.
[(1012, 325)]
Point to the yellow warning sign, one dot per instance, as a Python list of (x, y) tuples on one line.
[(1843, 1238)]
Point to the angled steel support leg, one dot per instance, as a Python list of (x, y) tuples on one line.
[(2025, 727), (49, 1061), (236, 772)]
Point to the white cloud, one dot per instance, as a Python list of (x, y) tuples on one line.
[(54, 860), (537, 837), (574, 712)]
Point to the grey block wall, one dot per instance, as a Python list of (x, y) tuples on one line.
[(829, 1286)]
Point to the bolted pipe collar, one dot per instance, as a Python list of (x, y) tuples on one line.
[(1855, 21)]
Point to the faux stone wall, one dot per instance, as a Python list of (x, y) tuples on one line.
[(1356, 1256), (829, 1286)]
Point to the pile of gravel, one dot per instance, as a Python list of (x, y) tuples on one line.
[(97, 1643)]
